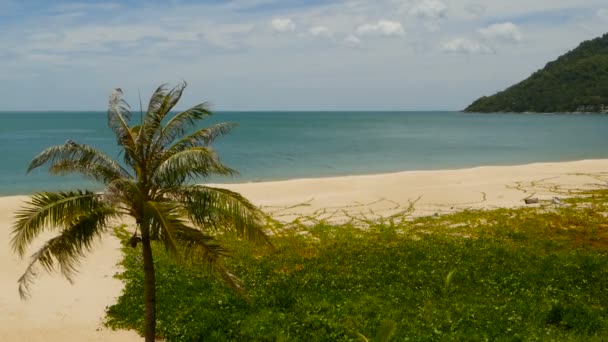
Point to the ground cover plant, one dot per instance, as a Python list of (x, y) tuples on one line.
[(533, 274)]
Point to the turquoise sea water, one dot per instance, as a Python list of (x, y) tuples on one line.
[(286, 145)]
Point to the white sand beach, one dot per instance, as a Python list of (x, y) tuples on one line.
[(59, 311)]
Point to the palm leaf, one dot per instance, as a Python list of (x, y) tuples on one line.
[(76, 158), (155, 102), (201, 138), (198, 246), (124, 193), (164, 220), (49, 210), (180, 122), (188, 164), (161, 104), (221, 209), (66, 249), (119, 114), (204, 249)]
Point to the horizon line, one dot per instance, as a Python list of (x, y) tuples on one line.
[(239, 111)]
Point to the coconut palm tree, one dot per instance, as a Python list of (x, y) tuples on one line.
[(162, 155)]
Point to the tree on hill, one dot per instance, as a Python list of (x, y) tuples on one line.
[(576, 82), (152, 185)]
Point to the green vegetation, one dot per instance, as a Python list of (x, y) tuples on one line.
[(575, 82), (160, 159), (533, 274)]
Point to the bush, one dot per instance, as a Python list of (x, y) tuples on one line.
[(505, 275)]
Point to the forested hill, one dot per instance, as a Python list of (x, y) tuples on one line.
[(575, 82)]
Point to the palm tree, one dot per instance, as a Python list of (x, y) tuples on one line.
[(153, 185)]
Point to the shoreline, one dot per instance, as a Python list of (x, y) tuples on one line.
[(432, 191), (373, 174), (391, 173), (60, 311)]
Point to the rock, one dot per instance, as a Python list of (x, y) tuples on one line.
[(557, 201), (531, 200)]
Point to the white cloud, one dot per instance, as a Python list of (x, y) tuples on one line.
[(382, 27), (235, 43), (466, 46), (352, 40), (507, 32), (283, 25), (228, 36), (430, 9), (97, 38), (83, 6), (321, 31)]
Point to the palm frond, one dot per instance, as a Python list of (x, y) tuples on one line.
[(65, 250), (164, 221), (49, 210), (190, 163), (72, 157), (156, 101), (201, 138), (198, 246), (204, 249), (157, 98), (180, 122), (124, 193), (161, 104), (225, 210), (174, 96), (119, 114)]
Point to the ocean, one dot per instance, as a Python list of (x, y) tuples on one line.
[(287, 145)]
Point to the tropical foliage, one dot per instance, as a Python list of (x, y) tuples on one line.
[(163, 155), (501, 275), (575, 82)]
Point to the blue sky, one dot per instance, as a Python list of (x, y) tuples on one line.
[(283, 55)]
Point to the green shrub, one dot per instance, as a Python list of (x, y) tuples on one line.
[(508, 275)]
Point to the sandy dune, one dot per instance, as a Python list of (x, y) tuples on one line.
[(58, 311)]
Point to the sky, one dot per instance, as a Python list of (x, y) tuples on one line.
[(283, 54)]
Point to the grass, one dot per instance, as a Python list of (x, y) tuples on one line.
[(529, 274)]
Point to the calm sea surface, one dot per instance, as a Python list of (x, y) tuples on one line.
[(284, 145)]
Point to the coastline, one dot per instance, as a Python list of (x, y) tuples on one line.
[(60, 311), (431, 191)]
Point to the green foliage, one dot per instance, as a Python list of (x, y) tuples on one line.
[(577, 80), (508, 274)]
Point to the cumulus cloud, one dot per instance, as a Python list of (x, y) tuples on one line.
[(507, 32), (431, 9), (352, 40), (320, 31), (466, 46), (382, 27), (283, 25)]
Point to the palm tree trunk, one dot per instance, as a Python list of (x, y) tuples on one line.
[(149, 287)]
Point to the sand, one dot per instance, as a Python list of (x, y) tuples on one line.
[(60, 311), (430, 192)]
